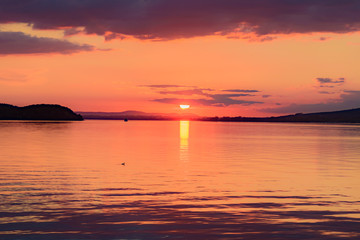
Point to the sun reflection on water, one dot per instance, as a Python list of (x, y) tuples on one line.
[(184, 140)]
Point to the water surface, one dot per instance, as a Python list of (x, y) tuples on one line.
[(181, 180)]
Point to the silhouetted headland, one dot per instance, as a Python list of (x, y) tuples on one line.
[(38, 112), (344, 116)]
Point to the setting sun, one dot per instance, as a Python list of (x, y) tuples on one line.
[(184, 106)]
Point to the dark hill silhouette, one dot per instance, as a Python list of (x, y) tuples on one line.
[(348, 116), (38, 112), (344, 116)]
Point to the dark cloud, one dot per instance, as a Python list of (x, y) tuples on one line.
[(71, 31), (206, 102), (324, 80), (329, 83), (241, 90), (111, 36), (217, 100), (228, 99), (185, 92), (20, 43), (163, 19), (348, 100), (325, 92), (330, 80), (267, 38), (231, 95), (210, 98)]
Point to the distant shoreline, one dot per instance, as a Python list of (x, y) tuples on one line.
[(344, 116), (61, 113)]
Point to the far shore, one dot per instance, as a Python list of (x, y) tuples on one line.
[(344, 116)]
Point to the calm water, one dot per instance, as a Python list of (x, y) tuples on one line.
[(181, 180)]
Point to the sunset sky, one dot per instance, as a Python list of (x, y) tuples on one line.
[(221, 57)]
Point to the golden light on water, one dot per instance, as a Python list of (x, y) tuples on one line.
[(184, 130), (184, 140), (184, 106)]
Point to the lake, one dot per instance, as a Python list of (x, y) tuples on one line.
[(178, 180)]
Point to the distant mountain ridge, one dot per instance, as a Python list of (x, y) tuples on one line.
[(38, 112), (344, 116), (136, 115), (349, 116)]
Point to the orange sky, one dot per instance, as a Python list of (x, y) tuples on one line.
[(298, 72)]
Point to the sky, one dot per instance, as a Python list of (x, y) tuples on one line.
[(223, 58)]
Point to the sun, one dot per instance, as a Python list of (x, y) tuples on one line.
[(184, 106)]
